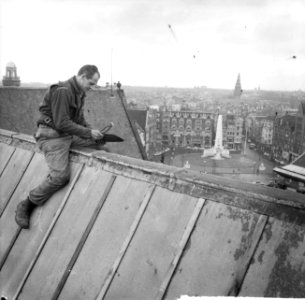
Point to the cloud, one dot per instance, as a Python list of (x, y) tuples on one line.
[(228, 37)]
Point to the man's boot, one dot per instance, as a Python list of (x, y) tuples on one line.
[(23, 213)]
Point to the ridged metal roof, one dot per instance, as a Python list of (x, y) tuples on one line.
[(125, 228)]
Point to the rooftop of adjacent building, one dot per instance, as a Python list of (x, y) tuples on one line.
[(19, 113), (294, 170)]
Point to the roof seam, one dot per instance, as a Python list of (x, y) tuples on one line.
[(136, 135)]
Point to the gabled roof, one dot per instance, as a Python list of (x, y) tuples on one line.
[(125, 228), (19, 112)]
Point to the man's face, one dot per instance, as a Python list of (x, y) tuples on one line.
[(87, 83)]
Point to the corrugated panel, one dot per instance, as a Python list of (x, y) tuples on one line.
[(153, 247), (32, 177), (27, 246), (67, 233), (12, 174), (6, 152), (106, 239), (278, 268), (218, 252)]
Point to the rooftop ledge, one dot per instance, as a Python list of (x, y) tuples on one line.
[(281, 204)]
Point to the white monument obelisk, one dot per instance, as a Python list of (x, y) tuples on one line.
[(218, 151)]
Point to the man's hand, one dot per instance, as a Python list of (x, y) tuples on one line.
[(96, 134)]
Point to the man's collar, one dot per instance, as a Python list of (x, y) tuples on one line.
[(76, 86)]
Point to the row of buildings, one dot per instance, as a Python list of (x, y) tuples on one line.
[(164, 128), (281, 137)]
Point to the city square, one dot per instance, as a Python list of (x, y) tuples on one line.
[(249, 166)]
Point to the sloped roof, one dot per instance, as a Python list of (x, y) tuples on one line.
[(125, 228), (140, 116), (19, 112), (300, 161), (294, 170)]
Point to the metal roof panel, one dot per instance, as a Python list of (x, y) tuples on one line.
[(168, 232)]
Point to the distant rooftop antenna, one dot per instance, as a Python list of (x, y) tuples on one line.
[(111, 95)]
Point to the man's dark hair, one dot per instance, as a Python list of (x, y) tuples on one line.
[(89, 71)]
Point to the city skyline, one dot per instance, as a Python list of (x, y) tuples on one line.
[(169, 43)]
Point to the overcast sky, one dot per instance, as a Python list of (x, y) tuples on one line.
[(180, 43)]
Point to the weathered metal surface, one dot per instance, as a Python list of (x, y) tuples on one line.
[(153, 247), (139, 244), (6, 152), (59, 248), (12, 174), (278, 267), (105, 240), (207, 186), (217, 252), (83, 238), (186, 235), (28, 242), (32, 177)]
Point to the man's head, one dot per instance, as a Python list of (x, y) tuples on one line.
[(87, 77)]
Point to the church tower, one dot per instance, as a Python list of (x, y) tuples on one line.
[(238, 91), (11, 78)]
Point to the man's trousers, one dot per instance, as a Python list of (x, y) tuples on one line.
[(56, 152)]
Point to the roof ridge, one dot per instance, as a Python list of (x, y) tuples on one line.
[(133, 128)]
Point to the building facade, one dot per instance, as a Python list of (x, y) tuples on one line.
[(284, 137), (191, 129), (187, 128), (233, 127), (152, 134), (260, 132), (299, 142)]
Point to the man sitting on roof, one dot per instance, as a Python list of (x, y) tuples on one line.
[(61, 126)]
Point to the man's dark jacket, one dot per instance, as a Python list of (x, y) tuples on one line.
[(63, 109)]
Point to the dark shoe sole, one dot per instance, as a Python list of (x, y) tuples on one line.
[(21, 223)]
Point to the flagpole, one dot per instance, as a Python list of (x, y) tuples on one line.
[(111, 72)]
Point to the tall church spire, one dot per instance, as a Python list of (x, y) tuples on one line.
[(238, 91)]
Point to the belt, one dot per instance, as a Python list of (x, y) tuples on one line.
[(46, 132)]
